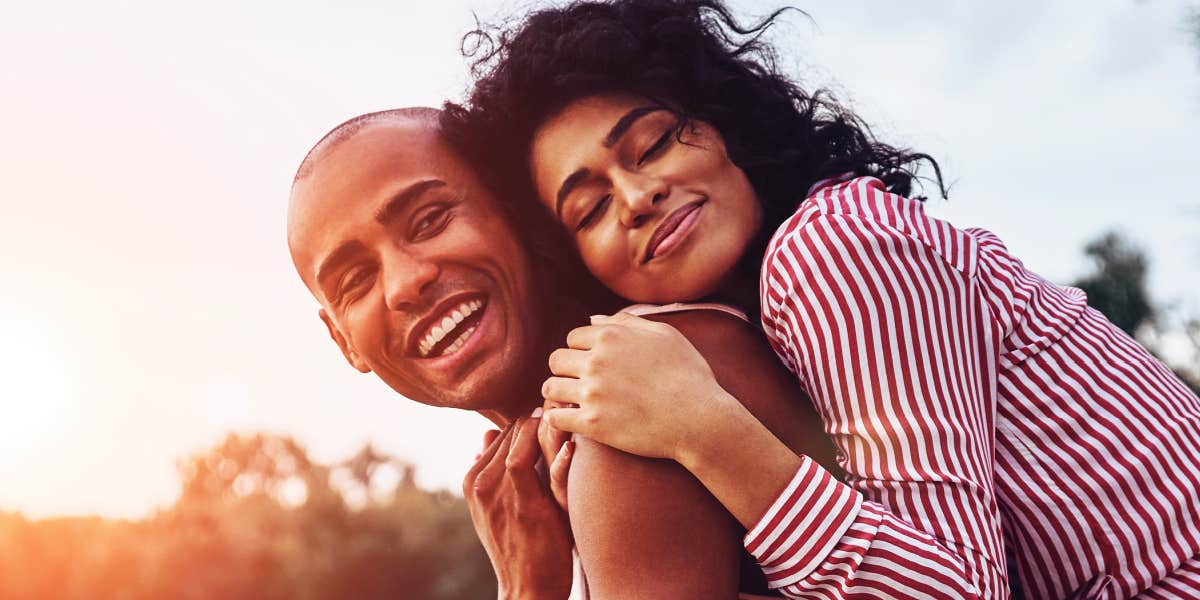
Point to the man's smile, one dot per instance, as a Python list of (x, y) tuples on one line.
[(446, 329)]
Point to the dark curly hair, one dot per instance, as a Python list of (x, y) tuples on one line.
[(691, 56)]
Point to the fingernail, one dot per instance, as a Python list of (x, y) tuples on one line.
[(537, 412), (598, 317), (564, 450)]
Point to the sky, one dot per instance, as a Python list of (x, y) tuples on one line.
[(148, 304)]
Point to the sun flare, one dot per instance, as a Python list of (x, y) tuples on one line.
[(33, 394)]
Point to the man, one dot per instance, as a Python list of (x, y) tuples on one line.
[(423, 280), (422, 283)]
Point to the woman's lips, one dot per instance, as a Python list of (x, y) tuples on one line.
[(673, 230)]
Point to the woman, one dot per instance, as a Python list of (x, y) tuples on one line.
[(958, 386)]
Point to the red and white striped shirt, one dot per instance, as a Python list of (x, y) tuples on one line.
[(974, 405)]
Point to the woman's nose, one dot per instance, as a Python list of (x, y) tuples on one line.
[(637, 199)]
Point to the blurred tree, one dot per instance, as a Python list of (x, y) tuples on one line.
[(1117, 285), (258, 519), (1193, 24), (1117, 288)]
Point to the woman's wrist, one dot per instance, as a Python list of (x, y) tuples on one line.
[(738, 459), (715, 426)]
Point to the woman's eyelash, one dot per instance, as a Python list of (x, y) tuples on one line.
[(597, 208), (658, 144)]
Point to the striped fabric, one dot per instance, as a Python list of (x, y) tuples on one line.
[(973, 405)]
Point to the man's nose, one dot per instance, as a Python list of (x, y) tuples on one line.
[(406, 277), (636, 196)]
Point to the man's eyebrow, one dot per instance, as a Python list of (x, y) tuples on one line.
[(335, 259), (626, 121), (388, 212), (568, 184)]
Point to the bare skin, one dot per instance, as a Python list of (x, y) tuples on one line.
[(520, 526), (444, 242), (648, 528)]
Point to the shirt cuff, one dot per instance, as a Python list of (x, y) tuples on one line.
[(803, 525)]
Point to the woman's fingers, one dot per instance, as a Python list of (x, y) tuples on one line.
[(627, 320), (568, 419), (562, 390), (558, 473), (568, 362), (583, 338)]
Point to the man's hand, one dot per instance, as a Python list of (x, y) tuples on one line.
[(557, 449), (523, 530)]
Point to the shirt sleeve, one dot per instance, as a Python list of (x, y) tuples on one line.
[(894, 344)]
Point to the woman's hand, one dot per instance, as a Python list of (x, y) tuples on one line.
[(633, 384), (523, 530)]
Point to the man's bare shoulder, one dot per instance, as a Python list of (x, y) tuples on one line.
[(645, 528)]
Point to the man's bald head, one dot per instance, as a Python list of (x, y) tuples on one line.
[(393, 232), (422, 115), (416, 127)]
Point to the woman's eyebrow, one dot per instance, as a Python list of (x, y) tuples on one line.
[(626, 121), (568, 184), (614, 135)]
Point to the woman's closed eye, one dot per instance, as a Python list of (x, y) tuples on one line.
[(658, 146), (594, 213)]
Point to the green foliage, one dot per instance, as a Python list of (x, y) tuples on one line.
[(1193, 24), (257, 519), (1117, 286)]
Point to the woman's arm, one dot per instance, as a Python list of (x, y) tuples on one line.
[(716, 400), (877, 309), (641, 522), (645, 391), (894, 343)]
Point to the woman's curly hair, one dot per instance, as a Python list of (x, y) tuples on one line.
[(691, 56)]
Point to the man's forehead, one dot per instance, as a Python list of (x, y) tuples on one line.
[(347, 183), (344, 183)]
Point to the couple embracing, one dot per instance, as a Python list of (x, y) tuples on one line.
[(727, 350)]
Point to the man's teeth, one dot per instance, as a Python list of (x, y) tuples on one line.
[(460, 341), (447, 324)]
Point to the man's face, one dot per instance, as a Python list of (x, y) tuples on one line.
[(420, 278)]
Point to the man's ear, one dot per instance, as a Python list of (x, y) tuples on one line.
[(352, 357)]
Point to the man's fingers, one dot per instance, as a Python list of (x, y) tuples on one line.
[(568, 362), (491, 445), (489, 436), (568, 419), (558, 473), (493, 461), (551, 439), (523, 453), (561, 391)]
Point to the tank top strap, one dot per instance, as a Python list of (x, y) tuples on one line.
[(642, 310)]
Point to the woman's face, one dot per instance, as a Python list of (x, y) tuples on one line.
[(656, 217)]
